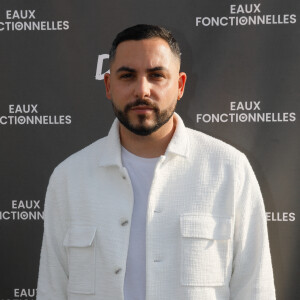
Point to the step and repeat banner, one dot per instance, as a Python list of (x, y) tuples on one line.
[(242, 62)]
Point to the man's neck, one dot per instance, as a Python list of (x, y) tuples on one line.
[(153, 145)]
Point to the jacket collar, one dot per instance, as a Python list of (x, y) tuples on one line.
[(179, 142), (111, 152)]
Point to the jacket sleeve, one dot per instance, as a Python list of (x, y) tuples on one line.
[(252, 273), (53, 274)]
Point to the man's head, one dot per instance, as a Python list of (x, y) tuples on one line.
[(144, 32), (144, 83)]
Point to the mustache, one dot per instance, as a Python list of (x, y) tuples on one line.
[(141, 102)]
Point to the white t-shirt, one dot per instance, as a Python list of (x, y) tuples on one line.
[(141, 171)]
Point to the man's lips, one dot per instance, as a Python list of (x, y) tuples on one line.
[(142, 108)]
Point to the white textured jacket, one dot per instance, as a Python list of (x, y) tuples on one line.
[(206, 230)]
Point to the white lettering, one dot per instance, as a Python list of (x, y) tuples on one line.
[(26, 204), (14, 204), (280, 216), (34, 108), (199, 117), (21, 14), (36, 204), (11, 108), (232, 8), (24, 292), (292, 217), (245, 9), (24, 108), (256, 105), (232, 105), (256, 6), (99, 73), (198, 21), (31, 16), (247, 105), (8, 14)]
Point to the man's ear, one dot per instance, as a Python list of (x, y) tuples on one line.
[(107, 85), (181, 84)]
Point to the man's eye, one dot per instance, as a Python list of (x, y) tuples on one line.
[(127, 75), (157, 75)]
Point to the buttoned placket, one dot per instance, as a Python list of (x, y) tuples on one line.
[(152, 212), (124, 223)]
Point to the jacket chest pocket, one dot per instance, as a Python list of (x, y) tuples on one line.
[(205, 249), (80, 243)]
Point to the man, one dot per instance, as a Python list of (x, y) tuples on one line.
[(154, 210)]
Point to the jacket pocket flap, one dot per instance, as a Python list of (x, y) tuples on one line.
[(205, 226), (80, 236)]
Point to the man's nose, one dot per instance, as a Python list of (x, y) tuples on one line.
[(142, 88)]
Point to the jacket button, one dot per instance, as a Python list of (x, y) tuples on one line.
[(124, 222), (124, 177), (117, 271)]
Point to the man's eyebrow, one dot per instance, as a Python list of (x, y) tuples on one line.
[(127, 69), (156, 69)]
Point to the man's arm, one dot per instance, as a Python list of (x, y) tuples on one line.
[(252, 275), (53, 274)]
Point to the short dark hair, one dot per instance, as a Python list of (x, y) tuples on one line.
[(142, 32)]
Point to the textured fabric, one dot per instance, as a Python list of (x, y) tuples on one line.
[(140, 171), (206, 230)]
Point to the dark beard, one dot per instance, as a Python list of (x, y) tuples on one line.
[(161, 117)]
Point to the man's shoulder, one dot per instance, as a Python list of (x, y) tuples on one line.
[(83, 158), (210, 147)]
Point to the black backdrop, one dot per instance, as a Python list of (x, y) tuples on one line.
[(243, 87)]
